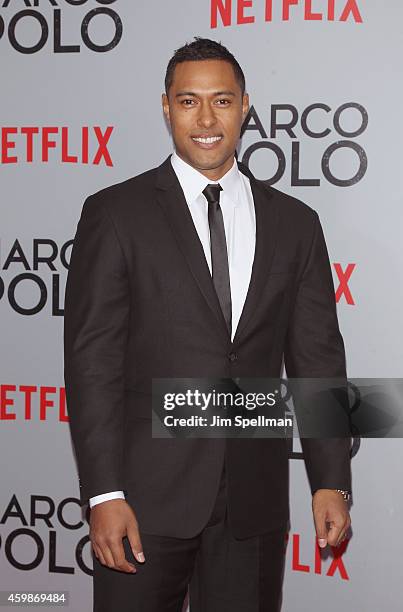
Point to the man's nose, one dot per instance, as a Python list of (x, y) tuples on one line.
[(206, 117)]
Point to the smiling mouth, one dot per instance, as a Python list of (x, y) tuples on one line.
[(207, 141)]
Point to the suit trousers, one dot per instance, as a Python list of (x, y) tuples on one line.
[(212, 572)]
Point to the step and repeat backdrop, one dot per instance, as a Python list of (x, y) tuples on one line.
[(81, 84)]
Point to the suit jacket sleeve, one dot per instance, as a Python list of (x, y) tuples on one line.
[(96, 320), (315, 349)]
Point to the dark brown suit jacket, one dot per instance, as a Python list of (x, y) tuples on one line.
[(140, 303)]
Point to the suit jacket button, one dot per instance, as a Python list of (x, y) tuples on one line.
[(232, 356)]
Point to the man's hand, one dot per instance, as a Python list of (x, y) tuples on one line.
[(110, 521), (330, 507)]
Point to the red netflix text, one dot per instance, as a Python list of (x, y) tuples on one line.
[(239, 12), (31, 144), (343, 289), (334, 566), (32, 403)]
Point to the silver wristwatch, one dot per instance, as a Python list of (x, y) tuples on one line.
[(346, 494)]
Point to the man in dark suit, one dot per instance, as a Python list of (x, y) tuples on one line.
[(195, 269)]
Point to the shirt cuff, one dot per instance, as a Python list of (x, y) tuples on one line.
[(97, 499)]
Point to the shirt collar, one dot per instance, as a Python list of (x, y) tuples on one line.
[(193, 182)]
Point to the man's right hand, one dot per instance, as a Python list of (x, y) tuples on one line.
[(110, 521)]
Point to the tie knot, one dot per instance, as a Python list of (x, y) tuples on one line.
[(212, 192)]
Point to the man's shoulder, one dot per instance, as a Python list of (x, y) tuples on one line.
[(287, 205), (132, 189), (290, 205)]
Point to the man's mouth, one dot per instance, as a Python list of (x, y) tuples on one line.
[(207, 142)]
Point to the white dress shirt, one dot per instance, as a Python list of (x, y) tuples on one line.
[(238, 210)]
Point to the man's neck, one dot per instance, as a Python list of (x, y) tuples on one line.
[(212, 174)]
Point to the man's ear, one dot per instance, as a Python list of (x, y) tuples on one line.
[(245, 105), (165, 107)]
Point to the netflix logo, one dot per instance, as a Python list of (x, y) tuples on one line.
[(334, 566), (240, 12), (32, 403), (29, 144), (343, 290)]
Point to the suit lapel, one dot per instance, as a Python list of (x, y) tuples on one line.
[(266, 237), (172, 201)]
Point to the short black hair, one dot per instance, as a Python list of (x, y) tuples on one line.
[(203, 49)]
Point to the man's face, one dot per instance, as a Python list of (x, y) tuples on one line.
[(205, 109)]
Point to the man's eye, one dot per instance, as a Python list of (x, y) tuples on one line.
[(223, 102), (187, 102)]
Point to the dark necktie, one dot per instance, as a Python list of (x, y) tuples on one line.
[(219, 255)]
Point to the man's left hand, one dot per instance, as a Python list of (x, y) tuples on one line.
[(329, 506)]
